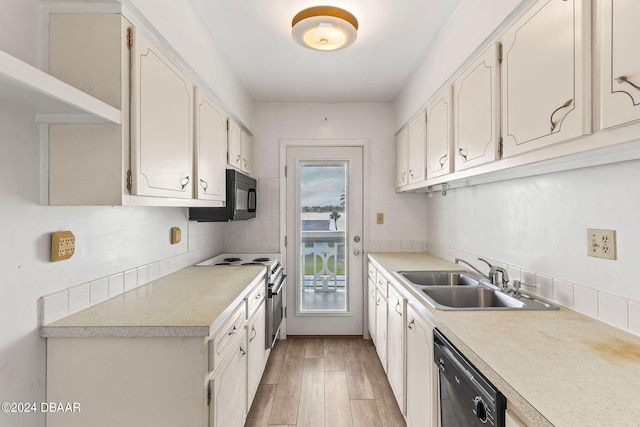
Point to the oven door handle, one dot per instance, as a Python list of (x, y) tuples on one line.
[(275, 289)]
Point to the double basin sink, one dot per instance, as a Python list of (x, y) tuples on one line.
[(462, 290)]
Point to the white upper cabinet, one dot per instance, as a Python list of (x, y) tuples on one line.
[(439, 137), (246, 152), (402, 152), (161, 125), (417, 149), (238, 148), (211, 149), (620, 66), (546, 76), (476, 113)]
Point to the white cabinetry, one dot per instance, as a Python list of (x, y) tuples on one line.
[(620, 66), (417, 149), (148, 158), (439, 137), (238, 148), (371, 307), (421, 382), (476, 114), (256, 341), (211, 149), (396, 345), (546, 76), (402, 157), (161, 124), (228, 405), (381, 319)]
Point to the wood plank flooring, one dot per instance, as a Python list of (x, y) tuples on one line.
[(334, 382)]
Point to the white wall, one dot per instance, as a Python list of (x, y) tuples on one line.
[(404, 213), (116, 247), (536, 226)]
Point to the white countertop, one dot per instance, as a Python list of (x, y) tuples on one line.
[(189, 302), (558, 368)]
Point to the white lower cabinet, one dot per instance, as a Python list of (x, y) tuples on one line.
[(371, 311), (381, 322), (258, 354), (396, 345), (422, 393), (228, 406)]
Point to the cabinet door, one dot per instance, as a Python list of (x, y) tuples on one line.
[(257, 357), (381, 328), (162, 124), (620, 72), (476, 112), (546, 76), (402, 157), (417, 147), (371, 311), (211, 150), (234, 145), (228, 405), (395, 346), (246, 152), (439, 138), (421, 383)]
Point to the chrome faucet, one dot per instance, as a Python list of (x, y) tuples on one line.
[(494, 274)]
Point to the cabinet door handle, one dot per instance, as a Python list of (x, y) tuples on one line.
[(204, 184), (238, 159), (253, 330), (554, 124), (378, 302), (233, 331), (243, 352), (403, 176), (411, 323), (411, 173), (184, 181), (443, 160), (625, 79), (397, 311), (463, 153)]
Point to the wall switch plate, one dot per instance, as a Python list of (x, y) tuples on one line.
[(63, 245), (176, 235), (601, 243), (380, 218)]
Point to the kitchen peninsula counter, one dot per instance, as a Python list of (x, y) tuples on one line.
[(190, 302), (556, 367)]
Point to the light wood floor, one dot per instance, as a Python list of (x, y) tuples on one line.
[(321, 382)]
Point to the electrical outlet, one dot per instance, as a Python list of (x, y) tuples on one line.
[(601, 243), (380, 218), (63, 245)]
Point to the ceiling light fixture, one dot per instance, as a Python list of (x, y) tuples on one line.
[(324, 28)]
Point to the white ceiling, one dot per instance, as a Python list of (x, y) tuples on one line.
[(393, 36)]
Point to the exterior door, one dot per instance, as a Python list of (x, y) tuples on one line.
[(324, 217)]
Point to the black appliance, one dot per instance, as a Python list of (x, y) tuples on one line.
[(241, 201), (466, 398)]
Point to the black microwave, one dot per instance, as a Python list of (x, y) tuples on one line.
[(241, 201)]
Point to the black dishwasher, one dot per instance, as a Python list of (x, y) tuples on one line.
[(466, 398)]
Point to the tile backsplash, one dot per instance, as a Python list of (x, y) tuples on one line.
[(612, 309)]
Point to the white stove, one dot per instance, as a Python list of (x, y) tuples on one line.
[(276, 279)]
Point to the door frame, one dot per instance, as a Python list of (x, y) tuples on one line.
[(356, 142)]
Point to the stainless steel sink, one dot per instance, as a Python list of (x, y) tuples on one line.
[(440, 278), (474, 297), (463, 290)]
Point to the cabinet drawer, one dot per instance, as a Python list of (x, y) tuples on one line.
[(225, 336), (255, 298), (381, 284)]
